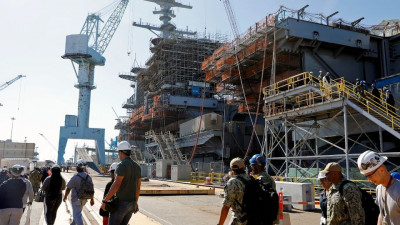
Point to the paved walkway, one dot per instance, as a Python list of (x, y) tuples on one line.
[(90, 213)]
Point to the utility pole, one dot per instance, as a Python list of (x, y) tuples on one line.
[(12, 126)]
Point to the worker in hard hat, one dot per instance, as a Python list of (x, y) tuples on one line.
[(103, 213), (126, 187), (388, 190), (11, 194), (257, 163)]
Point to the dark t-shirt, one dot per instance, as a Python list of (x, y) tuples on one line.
[(108, 186), (131, 171)]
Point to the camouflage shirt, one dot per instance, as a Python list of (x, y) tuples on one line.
[(346, 209), (234, 191), (35, 177), (266, 179)]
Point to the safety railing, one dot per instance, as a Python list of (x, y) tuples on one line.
[(200, 177), (383, 110), (290, 83), (327, 91)]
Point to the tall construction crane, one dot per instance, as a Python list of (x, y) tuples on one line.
[(86, 50), (232, 18), (8, 83)]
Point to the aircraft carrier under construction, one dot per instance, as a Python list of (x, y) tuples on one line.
[(201, 100)]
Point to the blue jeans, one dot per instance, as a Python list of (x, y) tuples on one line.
[(77, 207), (123, 213)]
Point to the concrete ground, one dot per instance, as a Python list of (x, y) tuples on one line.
[(183, 209)]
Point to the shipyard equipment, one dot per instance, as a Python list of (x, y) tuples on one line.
[(8, 83), (86, 49)]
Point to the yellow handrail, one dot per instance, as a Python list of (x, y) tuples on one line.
[(327, 91)]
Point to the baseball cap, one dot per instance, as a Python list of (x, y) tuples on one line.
[(332, 167), (237, 163)]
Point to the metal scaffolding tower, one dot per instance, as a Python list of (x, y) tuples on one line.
[(310, 123)]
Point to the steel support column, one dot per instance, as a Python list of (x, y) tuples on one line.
[(346, 141)]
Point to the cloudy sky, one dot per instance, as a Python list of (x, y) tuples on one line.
[(33, 40)]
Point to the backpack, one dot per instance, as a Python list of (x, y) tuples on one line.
[(371, 210), (86, 189), (260, 203)]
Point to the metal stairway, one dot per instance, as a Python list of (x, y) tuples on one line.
[(310, 123), (310, 92), (182, 158)]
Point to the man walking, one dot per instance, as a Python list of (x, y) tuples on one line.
[(28, 192), (257, 163), (234, 191), (388, 190), (11, 194), (126, 187), (343, 208), (35, 177), (75, 185)]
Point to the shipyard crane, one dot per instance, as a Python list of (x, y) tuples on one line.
[(86, 49), (235, 30), (232, 18), (8, 83)]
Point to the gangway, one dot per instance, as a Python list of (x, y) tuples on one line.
[(310, 123)]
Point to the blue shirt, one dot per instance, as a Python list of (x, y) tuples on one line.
[(75, 183), (11, 193)]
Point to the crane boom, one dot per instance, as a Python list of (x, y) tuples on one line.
[(100, 40), (231, 17), (8, 83)]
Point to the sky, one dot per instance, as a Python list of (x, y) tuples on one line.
[(33, 40)]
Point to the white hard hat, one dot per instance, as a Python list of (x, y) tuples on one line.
[(370, 161), (16, 170), (55, 166), (81, 163), (113, 166), (321, 175), (124, 146)]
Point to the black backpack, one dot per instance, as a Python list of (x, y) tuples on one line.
[(86, 189), (371, 210), (260, 203)]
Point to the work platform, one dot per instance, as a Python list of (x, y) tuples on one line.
[(310, 123)]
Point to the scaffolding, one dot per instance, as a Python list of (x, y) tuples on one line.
[(236, 67), (310, 123)]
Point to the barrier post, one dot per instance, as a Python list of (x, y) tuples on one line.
[(280, 208)]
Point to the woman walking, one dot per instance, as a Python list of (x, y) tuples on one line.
[(53, 186)]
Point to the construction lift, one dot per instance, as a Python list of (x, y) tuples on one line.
[(86, 50), (8, 83)]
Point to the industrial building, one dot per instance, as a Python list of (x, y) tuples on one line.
[(176, 86)]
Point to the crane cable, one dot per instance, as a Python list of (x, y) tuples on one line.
[(198, 130), (259, 97)]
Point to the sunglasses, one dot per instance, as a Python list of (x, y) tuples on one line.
[(368, 176)]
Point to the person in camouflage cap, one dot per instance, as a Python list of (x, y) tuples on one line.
[(234, 191), (343, 209), (3, 175), (35, 177)]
